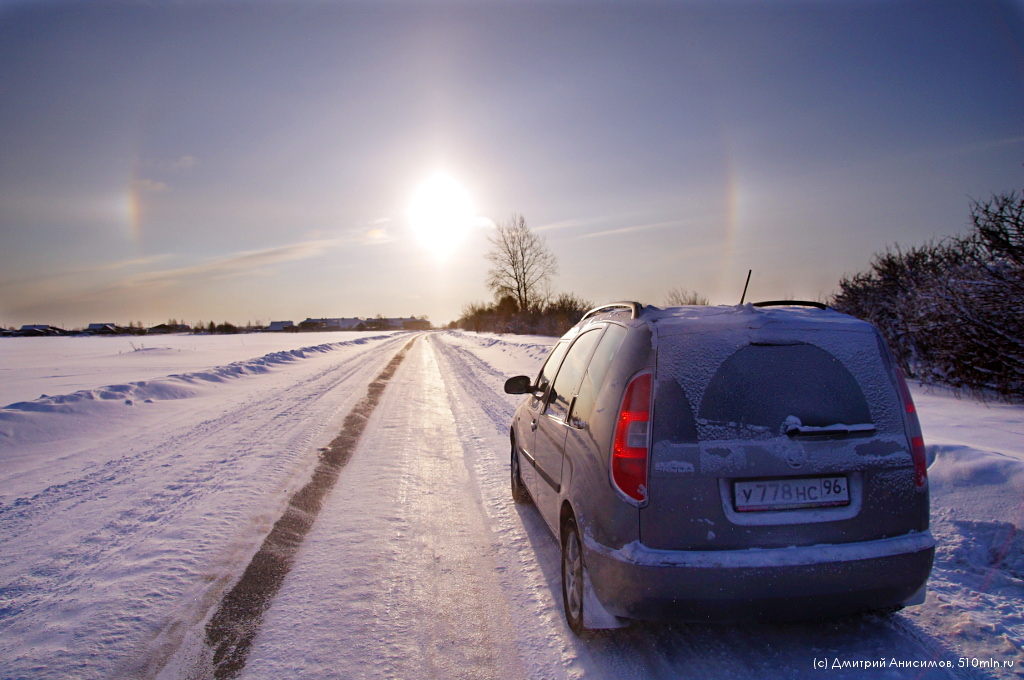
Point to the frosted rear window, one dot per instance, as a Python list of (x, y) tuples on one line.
[(760, 386)]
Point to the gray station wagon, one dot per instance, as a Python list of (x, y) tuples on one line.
[(761, 461)]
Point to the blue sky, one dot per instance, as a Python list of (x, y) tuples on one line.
[(243, 161)]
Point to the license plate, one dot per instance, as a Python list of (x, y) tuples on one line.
[(791, 493)]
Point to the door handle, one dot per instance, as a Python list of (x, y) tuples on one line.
[(533, 425)]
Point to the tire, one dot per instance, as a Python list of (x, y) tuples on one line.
[(572, 576), (519, 492)]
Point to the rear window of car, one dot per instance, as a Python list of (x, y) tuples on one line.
[(740, 376), (761, 388)]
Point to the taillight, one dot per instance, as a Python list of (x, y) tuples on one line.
[(917, 451), (920, 461), (629, 448)]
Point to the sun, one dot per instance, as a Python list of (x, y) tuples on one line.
[(441, 214)]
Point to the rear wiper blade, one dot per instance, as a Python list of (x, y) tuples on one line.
[(794, 430)]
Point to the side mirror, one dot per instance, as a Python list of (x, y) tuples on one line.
[(520, 384)]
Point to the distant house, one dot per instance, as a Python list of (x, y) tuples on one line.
[(313, 325), (103, 329), (352, 324), (165, 328), (333, 324), (398, 324), (281, 326), (38, 330)]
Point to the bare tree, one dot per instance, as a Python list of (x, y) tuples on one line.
[(522, 265), (679, 296)]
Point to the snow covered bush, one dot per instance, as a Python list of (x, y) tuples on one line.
[(553, 317), (953, 311)]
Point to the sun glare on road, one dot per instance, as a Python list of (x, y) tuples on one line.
[(441, 213)]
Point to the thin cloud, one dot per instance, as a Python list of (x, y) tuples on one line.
[(123, 264), (151, 186), (626, 230), (50, 276), (245, 263), (182, 164), (564, 224), (378, 235), (985, 146), (72, 293)]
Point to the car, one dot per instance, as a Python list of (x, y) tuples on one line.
[(725, 463)]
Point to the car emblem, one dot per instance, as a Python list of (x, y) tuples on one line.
[(796, 459)]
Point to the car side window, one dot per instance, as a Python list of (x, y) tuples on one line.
[(547, 372), (569, 374), (595, 375)]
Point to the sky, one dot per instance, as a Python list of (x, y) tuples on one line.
[(257, 161)]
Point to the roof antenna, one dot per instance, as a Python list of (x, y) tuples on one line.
[(744, 296)]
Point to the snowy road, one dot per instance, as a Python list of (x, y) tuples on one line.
[(419, 564)]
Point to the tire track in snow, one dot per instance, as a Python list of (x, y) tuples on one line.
[(517, 532), (479, 379), (234, 625), (397, 579), (443, 609)]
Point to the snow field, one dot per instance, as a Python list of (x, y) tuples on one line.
[(62, 365)]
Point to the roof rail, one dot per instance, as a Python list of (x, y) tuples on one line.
[(633, 307), (795, 303)]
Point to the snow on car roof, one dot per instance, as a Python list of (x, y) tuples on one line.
[(747, 316)]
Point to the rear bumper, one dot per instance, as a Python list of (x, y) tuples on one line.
[(775, 584)]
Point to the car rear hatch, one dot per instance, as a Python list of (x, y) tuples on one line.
[(776, 428)]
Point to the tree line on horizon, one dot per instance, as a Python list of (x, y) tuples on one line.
[(173, 325)]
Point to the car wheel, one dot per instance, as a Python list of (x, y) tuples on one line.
[(519, 492), (572, 576)]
